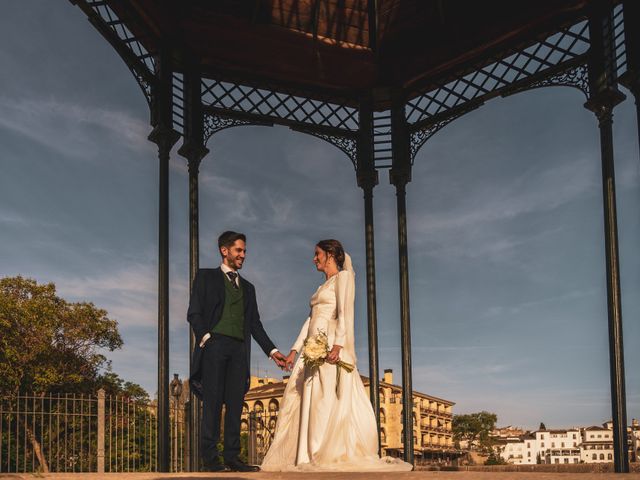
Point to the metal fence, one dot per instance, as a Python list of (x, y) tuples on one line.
[(85, 433)]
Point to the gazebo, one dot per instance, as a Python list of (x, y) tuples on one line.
[(375, 78)]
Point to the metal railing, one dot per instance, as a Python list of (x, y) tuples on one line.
[(84, 433)]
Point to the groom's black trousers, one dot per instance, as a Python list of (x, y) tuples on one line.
[(224, 377)]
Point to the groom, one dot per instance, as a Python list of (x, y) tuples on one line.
[(223, 314)]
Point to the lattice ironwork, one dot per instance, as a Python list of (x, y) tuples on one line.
[(177, 104), (140, 61), (382, 143), (619, 40), (348, 145), (489, 79), (279, 106), (214, 122)]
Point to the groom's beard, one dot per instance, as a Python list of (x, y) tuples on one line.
[(235, 263)]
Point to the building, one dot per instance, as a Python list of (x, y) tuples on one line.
[(432, 431), (635, 441), (597, 445), (543, 446), (577, 445)]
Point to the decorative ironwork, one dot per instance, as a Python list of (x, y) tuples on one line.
[(577, 77), (619, 40), (214, 122), (489, 78), (382, 144), (177, 105), (279, 106), (420, 137), (140, 61), (348, 145)]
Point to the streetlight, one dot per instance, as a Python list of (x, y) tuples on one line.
[(175, 390)]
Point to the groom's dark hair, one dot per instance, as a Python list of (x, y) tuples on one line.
[(228, 238)]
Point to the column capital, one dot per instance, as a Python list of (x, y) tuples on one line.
[(399, 177), (603, 103), (367, 179), (163, 136), (194, 152)]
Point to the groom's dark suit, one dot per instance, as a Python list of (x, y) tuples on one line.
[(220, 369)]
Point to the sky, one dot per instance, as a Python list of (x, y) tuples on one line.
[(505, 227)]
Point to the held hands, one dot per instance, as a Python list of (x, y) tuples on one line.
[(279, 359), (289, 360), (334, 354)]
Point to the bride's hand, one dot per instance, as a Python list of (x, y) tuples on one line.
[(334, 354), (290, 359)]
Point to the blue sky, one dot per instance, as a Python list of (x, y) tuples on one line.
[(508, 301)]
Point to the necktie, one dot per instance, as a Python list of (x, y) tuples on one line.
[(232, 277)]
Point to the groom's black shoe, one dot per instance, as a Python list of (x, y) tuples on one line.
[(240, 466), (215, 467)]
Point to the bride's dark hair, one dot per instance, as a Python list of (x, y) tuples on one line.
[(333, 248)]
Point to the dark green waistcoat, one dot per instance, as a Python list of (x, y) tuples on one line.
[(232, 321)]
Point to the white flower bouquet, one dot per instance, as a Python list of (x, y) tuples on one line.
[(316, 349)]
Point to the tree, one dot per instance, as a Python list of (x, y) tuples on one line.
[(49, 344), (474, 428), (542, 426)]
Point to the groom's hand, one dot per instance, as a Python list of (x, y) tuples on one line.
[(280, 359)]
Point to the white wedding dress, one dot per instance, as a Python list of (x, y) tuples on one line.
[(319, 428)]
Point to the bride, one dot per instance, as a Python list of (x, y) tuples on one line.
[(325, 424)]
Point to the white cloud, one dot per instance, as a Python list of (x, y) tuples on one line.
[(73, 130)]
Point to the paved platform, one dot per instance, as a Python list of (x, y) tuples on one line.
[(425, 475)]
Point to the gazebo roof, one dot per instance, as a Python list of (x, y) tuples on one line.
[(342, 45)]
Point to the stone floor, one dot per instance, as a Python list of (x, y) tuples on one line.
[(327, 476)]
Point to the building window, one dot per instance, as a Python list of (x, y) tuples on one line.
[(594, 456), (609, 456), (383, 417), (574, 435), (553, 444), (542, 445), (562, 444), (529, 454), (602, 456), (557, 460), (528, 444), (566, 460), (575, 460)]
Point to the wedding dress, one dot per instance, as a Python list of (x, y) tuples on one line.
[(319, 427)]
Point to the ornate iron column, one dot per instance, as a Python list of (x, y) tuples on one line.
[(165, 137), (194, 150), (631, 78), (367, 179), (400, 175), (604, 96)]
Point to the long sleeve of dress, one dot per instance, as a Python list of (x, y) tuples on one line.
[(344, 305), (297, 345)]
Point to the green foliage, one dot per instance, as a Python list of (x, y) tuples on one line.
[(495, 459), (112, 384), (51, 345), (474, 428), (244, 447)]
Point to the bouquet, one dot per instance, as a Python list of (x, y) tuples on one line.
[(316, 349)]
